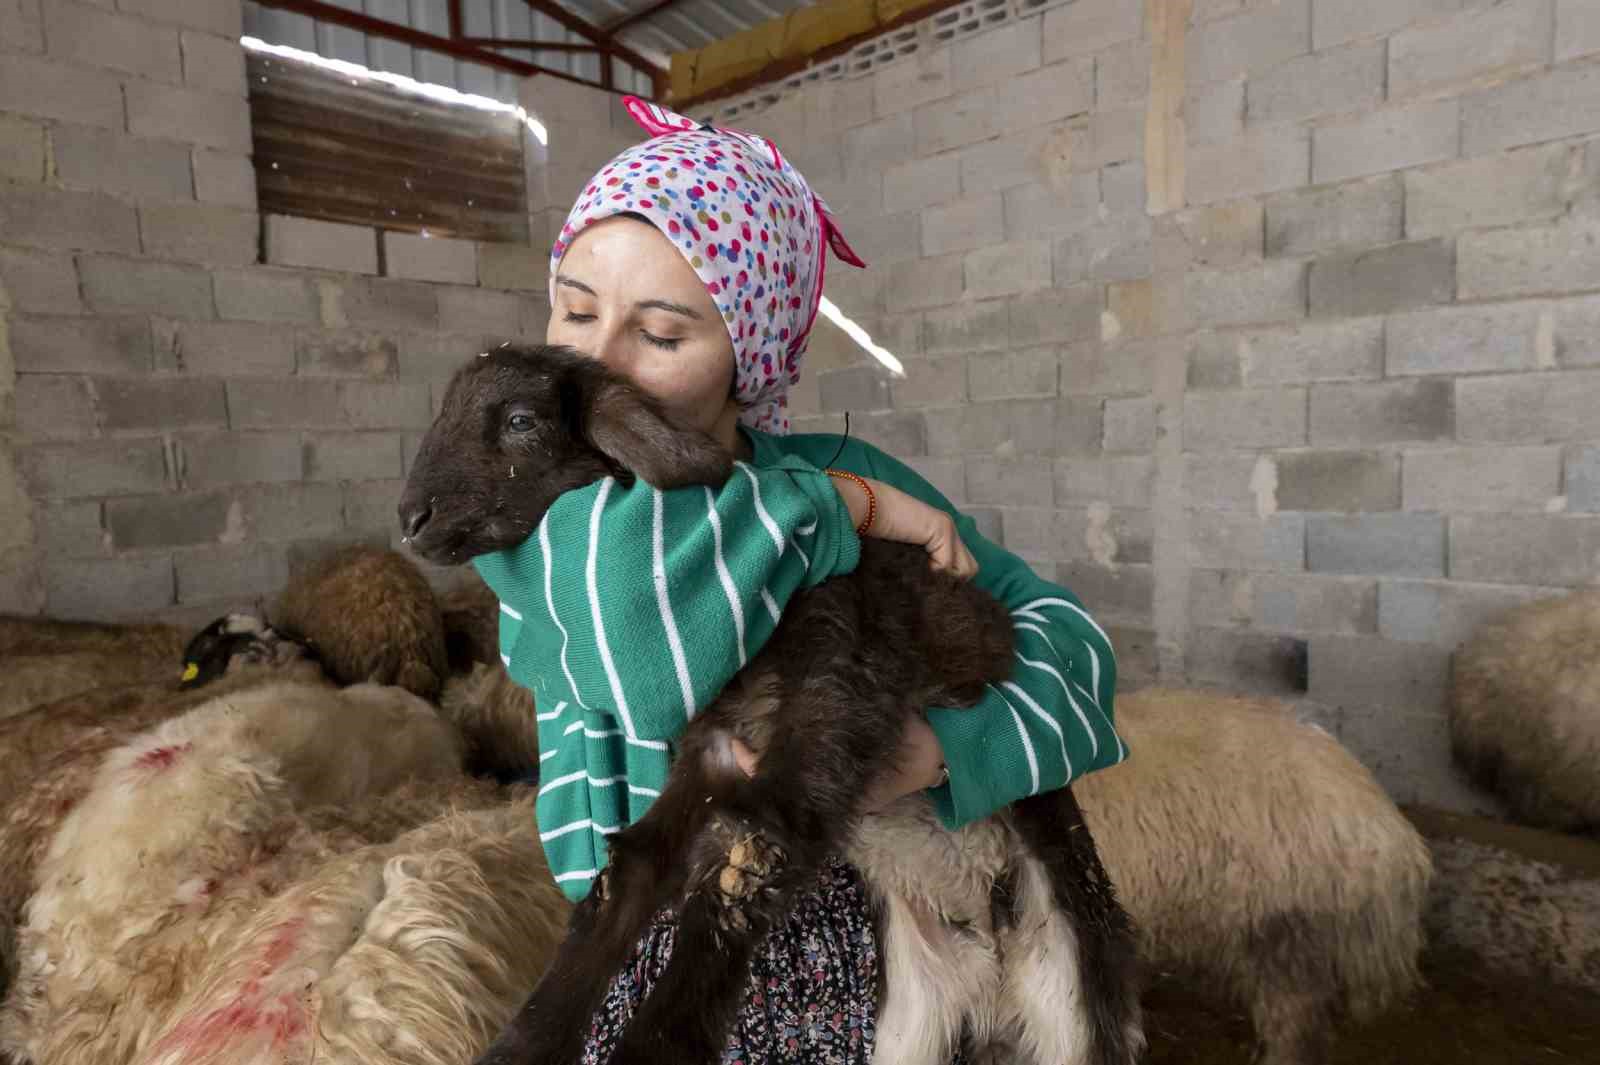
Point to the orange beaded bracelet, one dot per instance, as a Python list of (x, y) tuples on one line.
[(872, 498)]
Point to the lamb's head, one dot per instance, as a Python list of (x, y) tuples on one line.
[(518, 427), (234, 642)]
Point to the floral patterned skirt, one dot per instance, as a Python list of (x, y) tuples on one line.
[(812, 996)]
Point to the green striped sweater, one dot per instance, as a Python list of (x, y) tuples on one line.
[(629, 609)]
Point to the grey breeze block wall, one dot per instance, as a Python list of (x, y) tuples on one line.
[(192, 401), (1266, 327)]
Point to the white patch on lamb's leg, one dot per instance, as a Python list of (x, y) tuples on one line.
[(1042, 994), (937, 977)]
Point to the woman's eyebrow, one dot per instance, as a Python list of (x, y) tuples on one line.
[(668, 305), (572, 282)]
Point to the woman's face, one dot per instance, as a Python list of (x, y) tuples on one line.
[(625, 296)]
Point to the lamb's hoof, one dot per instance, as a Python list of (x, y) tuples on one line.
[(752, 862)]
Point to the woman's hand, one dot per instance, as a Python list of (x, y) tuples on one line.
[(918, 764), (908, 520)]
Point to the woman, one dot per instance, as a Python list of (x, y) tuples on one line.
[(693, 264)]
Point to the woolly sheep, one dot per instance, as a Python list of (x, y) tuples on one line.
[(1257, 855), (43, 659), (184, 831), (1525, 711), (370, 616), (495, 716), (729, 852), (471, 624)]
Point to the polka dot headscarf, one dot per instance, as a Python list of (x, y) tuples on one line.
[(748, 224)]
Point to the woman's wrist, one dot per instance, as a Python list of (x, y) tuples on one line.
[(857, 497)]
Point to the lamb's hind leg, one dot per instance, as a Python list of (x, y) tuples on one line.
[(1064, 874)]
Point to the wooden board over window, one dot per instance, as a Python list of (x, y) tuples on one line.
[(371, 154)]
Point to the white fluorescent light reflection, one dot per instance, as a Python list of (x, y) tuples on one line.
[(442, 93), (859, 335)]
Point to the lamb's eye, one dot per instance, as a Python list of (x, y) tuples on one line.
[(520, 423)]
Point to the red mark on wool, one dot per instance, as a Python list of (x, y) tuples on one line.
[(162, 757), (281, 1017)]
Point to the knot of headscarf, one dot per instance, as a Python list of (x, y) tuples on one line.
[(747, 223)]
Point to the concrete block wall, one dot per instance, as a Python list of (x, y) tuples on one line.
[(1270, 327), (193, 399)]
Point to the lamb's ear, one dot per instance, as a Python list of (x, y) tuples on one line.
[(634, 434)]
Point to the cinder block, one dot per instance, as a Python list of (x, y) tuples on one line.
[(1350, 284), (41, 282), (371, 505), (1498, 39), (1253, 662), (533, 318), (1370, 673), (1025, 374), (346, 354), (1215, 112), (1027, 483), (1220, 539), (947, 475), (873, 147), (919, 79), (1392, 139), (1043, 210), (1527, 262), (173, 520), (1577, 29), (385, 304), (216, 460), (79, 33), (285, 404), (433, 357), (1311, 605), (1398, 545), (421, 258), (91, 158), (900, 433), (209, 119), (1231, 481), (1094, 368), (996, 55), (1045, 96), (295, 511), (1270, 293), (1054, 316), (858, 388), (931, 383), (1229, 234), (73, 530), (1116, 136), (1382, 412), (966, 327), (1562, 103), (838, 105), (1250, 43), (1527, 408), (103, 344), (1122, 188), (1124, 592), (937, 127), (40, 217), (1047, 154), (1468, 339), (1334, 24), (1131, 312), (1531, 185), (1116, 250), (1017, 427), (1091, 534), (374, 405), (65, 92), (1362, 213), (111, 284), (1217, 421), (513, 266), (93, 468), (474, 310), (210, 574), (918, 183), (1090, 26), (267, 296), (1338, 480), (917, 283), (22, 28), (1118, 482), (1315, 351), (1581, 479), (886, 238), (213, 63), (322, 245), (223, 19), (1503, 549), (160, 404), (1482, 478), (54, 407), (962, 225), (201, 233), (1005, 269), (1122, 75), (1345, 79), (1130, 424), (351, 456), (22, 149), (109, 588), (1445, 614)]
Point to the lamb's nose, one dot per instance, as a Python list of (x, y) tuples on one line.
[(413, 517)]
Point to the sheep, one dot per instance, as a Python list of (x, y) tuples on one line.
[(731, 853), (495, 717), (44, 659), (1525, 711), (471, 624), (186, 830), (1260, 858), (371, 616)]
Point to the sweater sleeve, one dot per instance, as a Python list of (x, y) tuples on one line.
[(1051, 722)]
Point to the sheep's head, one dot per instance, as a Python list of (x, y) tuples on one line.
[(233, 642), (518, 427)]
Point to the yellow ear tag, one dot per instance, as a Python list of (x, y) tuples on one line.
[(190, 672)]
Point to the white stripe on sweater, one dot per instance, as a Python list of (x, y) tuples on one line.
[(1078, 610), (1027, 744), (551, 715), (1094, 741), (545, 756), (577, 826), (550, 603), (591, 734), (594, 782), (658, 570), (506, 610), (803, 556), (577, 874), (761, 511), (1038, 711), (594, 608), (728, 587), (772, 605), (1042, 636), (1122, 751)]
